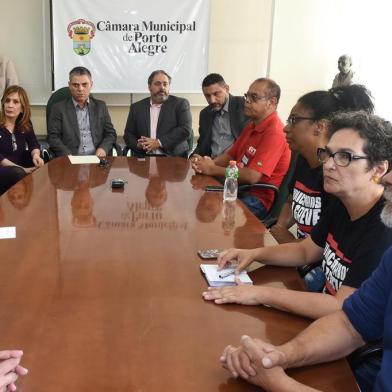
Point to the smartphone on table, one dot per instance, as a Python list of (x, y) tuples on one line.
[(207, 254), (214, 188)]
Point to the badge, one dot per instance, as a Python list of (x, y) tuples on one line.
[(244, 160), (251, 150)]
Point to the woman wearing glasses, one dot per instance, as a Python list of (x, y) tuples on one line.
[(349, 238), (16, 132), (306, 130)]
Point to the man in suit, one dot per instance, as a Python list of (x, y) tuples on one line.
[(81, 124), (222, 121), (161, 124)]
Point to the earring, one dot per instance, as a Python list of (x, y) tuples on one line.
[(376, 179)]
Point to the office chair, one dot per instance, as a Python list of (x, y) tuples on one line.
[(190, 141), (368, 350), (57, 96), (280, 194)]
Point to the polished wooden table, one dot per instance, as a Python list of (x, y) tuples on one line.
[(102, 288)]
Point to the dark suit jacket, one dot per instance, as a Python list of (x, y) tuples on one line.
[(63, 129), (173, 129), (237, 123)]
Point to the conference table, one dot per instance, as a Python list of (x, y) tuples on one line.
[(102, 287)]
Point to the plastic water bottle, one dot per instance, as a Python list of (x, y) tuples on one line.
[(231, 184)]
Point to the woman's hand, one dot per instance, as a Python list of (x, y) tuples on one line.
[(28, 170), (37, 160), (243, 294), (239, 257)]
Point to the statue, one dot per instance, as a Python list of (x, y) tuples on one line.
[(345, 75)]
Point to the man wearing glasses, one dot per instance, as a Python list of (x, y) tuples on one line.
[(261, 151)]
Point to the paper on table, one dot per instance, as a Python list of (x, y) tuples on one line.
[(212, 274), (7, 232), (81, 159)]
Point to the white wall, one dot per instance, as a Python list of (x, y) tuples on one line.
[(239, 41), (308, 37), (25, 38)]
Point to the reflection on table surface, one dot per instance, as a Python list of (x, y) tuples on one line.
[(102, 288)]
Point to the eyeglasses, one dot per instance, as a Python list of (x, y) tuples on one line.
[(253, 97), (341, 158), (292, 120), (14, 144)]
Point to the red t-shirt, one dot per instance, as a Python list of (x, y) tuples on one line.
[(263, 148)]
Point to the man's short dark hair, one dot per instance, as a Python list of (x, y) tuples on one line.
[(213, 78), (157, 72), (273, 89), (375, 131), (79, 71)]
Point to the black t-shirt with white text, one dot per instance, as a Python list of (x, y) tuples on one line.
[(352, 249), (309, 198)]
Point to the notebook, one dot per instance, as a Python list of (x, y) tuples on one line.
[(214, 280), (83, 159)]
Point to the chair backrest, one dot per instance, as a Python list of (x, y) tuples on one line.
[(274, 212), (190, 141), (281, 194), (57, 96)]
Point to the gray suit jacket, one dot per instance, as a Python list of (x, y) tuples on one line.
[(173, 129), (237, 123), (63, 129)]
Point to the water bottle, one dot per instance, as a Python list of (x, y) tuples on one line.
[(231, 185)]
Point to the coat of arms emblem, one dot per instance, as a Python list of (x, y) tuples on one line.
[(81, 32)]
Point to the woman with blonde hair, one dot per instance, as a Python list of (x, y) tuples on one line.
[(16, 133)]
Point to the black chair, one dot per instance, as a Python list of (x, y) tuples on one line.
[(281, 193), (190, 141), (360, 355), (46, 154), (127, 151), (57, 96), (60, 95)]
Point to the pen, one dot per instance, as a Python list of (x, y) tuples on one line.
[(225, 274)]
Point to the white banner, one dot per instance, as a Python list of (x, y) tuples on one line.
[(122, 41)]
